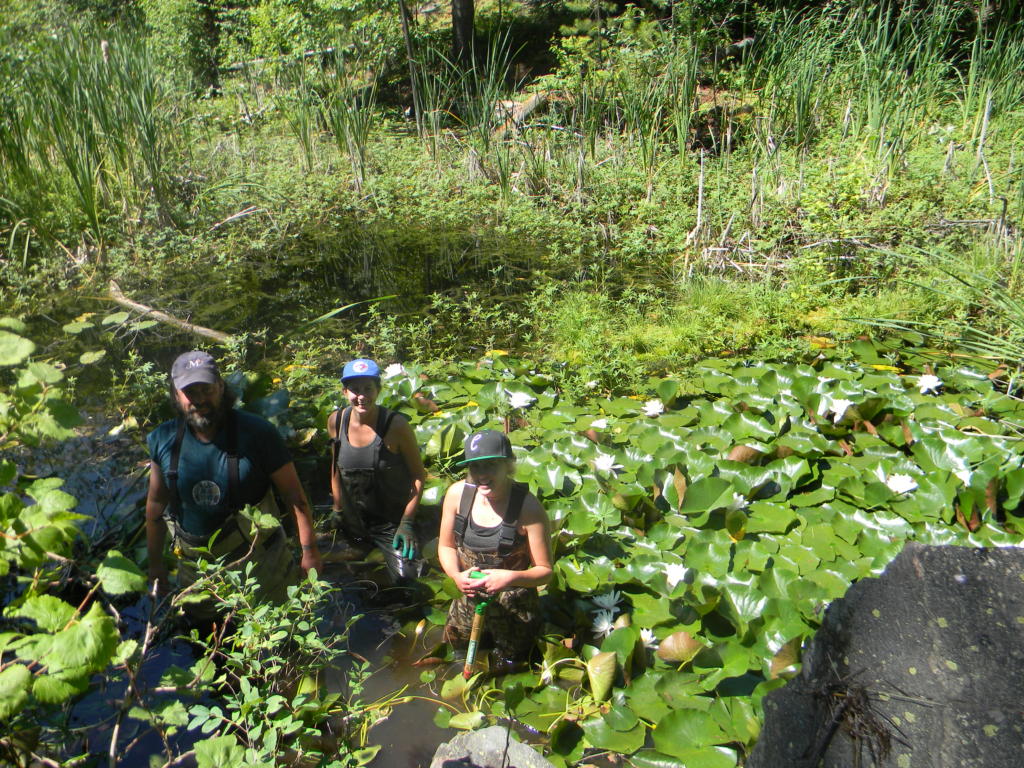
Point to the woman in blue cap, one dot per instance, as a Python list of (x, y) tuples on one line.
[(495, 528), (377, 474)]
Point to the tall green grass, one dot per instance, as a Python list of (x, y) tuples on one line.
[(94, 132)]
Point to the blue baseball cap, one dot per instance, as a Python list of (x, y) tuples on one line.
[(360, 368)]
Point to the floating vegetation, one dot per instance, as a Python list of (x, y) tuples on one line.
[(717, 528)]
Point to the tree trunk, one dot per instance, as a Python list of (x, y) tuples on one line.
[(462, 31)]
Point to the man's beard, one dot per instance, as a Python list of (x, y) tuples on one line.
[(209, 422)]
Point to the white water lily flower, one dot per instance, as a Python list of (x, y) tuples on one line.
[(901, 483), (739, 501), (605, 462), (837, 406), (519, 399), (599, 424), (608, 601), (674, 573), (929, 383), (603, 623), (654, 408), (648, 639), (395, 369)]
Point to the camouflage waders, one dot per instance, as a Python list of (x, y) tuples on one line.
[(513, 618), (274, 568)]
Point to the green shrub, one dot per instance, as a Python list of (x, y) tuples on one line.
[(184, 33)]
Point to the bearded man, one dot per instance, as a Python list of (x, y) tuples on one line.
[(205, 466)]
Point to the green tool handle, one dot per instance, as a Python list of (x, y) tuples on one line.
[(475, 632)]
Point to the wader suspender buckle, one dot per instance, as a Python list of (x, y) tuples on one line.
[(509, 522)]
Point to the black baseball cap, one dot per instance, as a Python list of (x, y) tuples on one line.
[(486, 444), (195, 367)]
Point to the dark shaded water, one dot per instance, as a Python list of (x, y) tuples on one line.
[(107, 473)]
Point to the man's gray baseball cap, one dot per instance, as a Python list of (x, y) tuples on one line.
[(195, 367)]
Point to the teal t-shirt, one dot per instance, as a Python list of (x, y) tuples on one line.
[(203, 468)]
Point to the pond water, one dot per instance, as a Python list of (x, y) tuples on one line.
[(107, 472)]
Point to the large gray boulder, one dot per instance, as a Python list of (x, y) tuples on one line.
[(486, 748), (920, 668)]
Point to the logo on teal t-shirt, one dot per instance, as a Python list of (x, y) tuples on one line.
[(206, 493)]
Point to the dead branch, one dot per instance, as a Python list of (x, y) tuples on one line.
[(518, 114), (118, 297)]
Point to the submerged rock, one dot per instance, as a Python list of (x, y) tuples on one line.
[(492, 747), (923, 666)]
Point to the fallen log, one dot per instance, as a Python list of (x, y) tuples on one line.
[(117, 296), (518, 114)]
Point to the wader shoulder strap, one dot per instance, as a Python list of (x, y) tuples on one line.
[(232, 452), (462, 517), (174, 505), (336, 440), (510, 521)]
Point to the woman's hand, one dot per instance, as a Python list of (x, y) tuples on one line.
[(468, 585), (495, 580)]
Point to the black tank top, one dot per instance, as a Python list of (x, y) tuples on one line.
[(481, 538), (392, 480)]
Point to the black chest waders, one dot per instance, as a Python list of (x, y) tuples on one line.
[(375, 490), (513, 616), (268, 551), (362, 503)]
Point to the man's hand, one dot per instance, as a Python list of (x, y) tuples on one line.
[(405, 540), (311, 559)]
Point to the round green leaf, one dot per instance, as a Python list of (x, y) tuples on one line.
[(115, 317), (649, 758), (679, 647), (621, 718), (467, 721), (599, 734), (219, 752), (14, 349), (621, 642), (14, 685), (601, 673), (76, 327), (119, 575), (681, 730)]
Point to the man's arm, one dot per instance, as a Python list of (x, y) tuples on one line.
[(157, 498), (286, 481)]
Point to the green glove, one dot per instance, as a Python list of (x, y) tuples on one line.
[(405, 540)]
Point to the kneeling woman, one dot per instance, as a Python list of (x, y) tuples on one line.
[(495, 526)]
